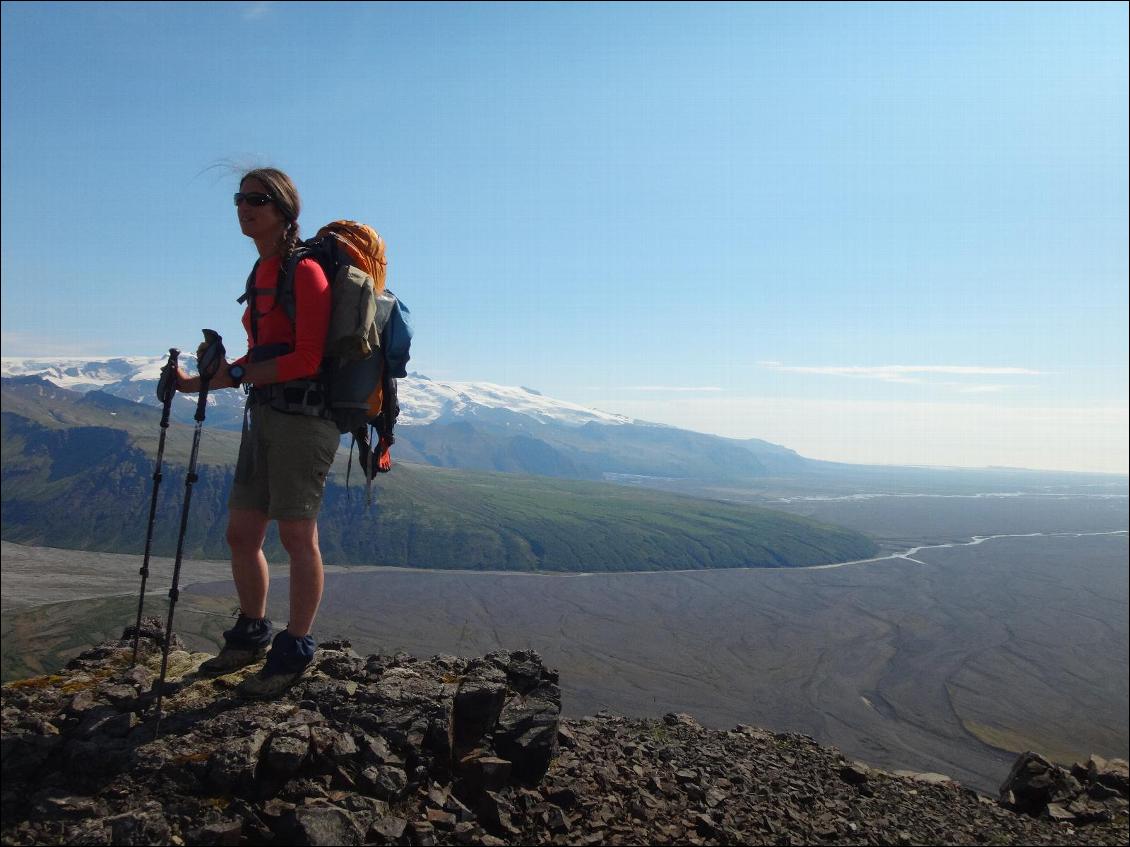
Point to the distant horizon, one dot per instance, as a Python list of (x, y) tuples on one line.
[(803, 454)]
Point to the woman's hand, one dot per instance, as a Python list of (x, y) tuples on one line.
[(191, 384), (186, 384)]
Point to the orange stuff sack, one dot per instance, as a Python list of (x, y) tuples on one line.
[(364, 246)]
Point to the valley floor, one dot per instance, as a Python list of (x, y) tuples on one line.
[(951, 661)]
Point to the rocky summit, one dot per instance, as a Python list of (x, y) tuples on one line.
[(448, 750)]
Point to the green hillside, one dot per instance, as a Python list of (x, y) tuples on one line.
[(77, 474), (437, 517)]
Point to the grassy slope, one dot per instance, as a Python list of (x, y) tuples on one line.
[(77, 473), (444, 518)]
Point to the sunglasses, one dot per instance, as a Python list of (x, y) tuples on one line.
[(253, 198)]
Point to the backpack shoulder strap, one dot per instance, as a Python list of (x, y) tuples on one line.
[(249, 290), (284, 290), (286, 278)]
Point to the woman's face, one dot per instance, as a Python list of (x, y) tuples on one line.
[(261, 223)]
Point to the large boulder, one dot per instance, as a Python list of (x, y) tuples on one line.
[(1033, 783)]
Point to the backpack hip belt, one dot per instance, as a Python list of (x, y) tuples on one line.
[(297, 397)]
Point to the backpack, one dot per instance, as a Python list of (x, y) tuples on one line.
[(368, 342)]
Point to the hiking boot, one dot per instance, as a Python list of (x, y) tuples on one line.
[(286, 662), (232, 659), (244, 644)]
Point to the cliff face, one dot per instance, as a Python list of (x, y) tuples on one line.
[(395, 750)]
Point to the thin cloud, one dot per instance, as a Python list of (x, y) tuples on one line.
[(900, 373), (255, 11), (978, 389), (671, 388)]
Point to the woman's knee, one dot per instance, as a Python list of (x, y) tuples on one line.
[(299, 537), (246, 530)]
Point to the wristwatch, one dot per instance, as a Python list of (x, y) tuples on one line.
[(236, 372)]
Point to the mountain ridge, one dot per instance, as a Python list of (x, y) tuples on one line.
[(499, 413), (425, 400), (500, 416)]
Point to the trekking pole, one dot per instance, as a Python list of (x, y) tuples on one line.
[(166, 389), (209, 356)]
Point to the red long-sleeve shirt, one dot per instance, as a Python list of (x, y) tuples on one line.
[(306, 336)]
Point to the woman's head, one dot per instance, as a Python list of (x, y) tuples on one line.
[(275, 222)]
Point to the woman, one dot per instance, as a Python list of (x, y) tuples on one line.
[(283, 457)]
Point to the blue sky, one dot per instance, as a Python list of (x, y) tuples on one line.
[(873, 233)]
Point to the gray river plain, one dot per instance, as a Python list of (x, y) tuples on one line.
[(1008, 631)]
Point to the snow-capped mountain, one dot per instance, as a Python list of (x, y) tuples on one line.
[(422, 400), (474, 425), (88, 374)]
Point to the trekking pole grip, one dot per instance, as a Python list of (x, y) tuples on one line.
[(167, 385), (209, 356)]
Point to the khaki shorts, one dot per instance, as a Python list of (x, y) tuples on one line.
[(282, 466)]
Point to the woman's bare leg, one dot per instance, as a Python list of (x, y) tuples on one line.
[(247, 528), (300, 538)]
